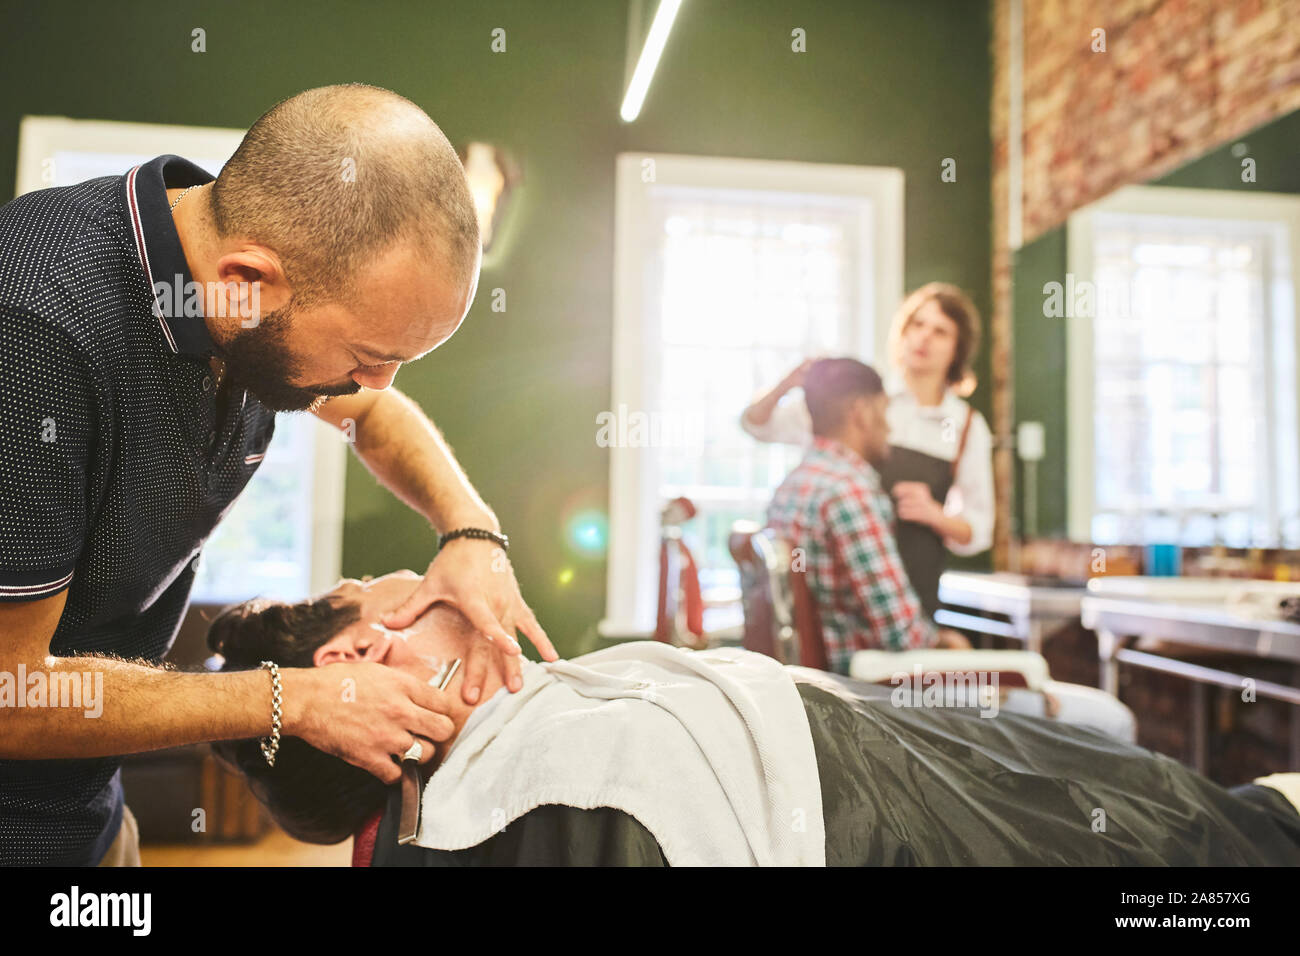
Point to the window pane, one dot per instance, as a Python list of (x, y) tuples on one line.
[(1180, 371), (750, 285), (263, 545)]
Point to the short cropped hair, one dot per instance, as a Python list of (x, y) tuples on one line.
[(332, 177), (316, 797), (956, 305), (831, 385)]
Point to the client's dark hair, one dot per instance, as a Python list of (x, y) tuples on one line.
[(314, 796), (830, 387)]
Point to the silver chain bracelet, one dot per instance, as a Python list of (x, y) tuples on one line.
[(271, 745)]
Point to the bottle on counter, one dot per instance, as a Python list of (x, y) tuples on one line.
[(1162, 553)]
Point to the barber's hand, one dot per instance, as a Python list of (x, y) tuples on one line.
[(913, 502), (366, 713), (475, 577)]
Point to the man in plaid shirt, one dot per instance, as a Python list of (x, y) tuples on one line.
[(833, 507)]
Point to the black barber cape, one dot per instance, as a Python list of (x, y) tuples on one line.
[(927, 786)]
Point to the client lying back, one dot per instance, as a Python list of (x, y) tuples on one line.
[(728, 757), (315, 796), (722, 734)]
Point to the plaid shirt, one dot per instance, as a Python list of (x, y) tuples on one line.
[(832, 506)]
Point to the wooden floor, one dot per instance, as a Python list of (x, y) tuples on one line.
[(277, 848)]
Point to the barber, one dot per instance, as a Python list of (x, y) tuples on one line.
[(940, 468), (338, 243)]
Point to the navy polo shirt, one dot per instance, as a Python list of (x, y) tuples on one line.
[(118, 457)]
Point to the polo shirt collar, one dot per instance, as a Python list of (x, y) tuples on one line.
[(160, 251)]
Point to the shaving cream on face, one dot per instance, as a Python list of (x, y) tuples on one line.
[(439, 666), (439, 669), (404, 634)]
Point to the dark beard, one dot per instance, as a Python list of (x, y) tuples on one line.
[(879, 459), (257, 360)]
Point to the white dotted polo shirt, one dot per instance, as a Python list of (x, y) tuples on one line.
[(116, 458)]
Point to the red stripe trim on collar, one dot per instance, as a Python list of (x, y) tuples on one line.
[(133, 203)]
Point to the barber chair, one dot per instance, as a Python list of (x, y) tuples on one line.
[(782, 621), (807, 622), (781, 617), (363, 843), (680, 616)]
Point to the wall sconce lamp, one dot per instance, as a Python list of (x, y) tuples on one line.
[(493, 177)]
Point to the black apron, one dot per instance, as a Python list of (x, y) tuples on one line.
[(920, 547)]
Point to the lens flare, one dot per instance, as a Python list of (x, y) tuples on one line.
[(587, 533)]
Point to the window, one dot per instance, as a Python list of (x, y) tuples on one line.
[(728, 273), (282, 539), (1183, 405)]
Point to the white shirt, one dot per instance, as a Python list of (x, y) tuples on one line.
[(932, 430)]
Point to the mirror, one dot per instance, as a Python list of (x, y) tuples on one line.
[(1156, 346)]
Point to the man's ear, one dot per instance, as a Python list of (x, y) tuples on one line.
[(338, 649), (254, 267), (861, 411)]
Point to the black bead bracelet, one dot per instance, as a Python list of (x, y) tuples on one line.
[(481, 533)]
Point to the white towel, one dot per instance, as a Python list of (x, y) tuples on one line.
[(1287, 784), (709, 750)]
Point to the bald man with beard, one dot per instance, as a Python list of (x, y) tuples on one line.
[(154, 324)]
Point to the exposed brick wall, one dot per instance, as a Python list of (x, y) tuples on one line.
[(1246, 739), (1177, 79)]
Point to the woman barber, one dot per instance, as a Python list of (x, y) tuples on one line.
[(940, 469)]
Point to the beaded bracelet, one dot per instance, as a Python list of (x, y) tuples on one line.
[(271, 745), (480, 533)]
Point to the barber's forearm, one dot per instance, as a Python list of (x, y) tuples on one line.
[(124, 708), (953, 529), (407, 453)]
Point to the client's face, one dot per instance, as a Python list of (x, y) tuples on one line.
[(876, 428), (425, 650)]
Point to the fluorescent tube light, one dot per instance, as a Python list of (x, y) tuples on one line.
[(650, 53)]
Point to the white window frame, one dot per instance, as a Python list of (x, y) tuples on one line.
[(40, 138), (631, 578), (1281, 208)]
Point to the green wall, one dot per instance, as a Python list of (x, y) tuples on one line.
[(1039, 378), (887, 83), (1040, 342)]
